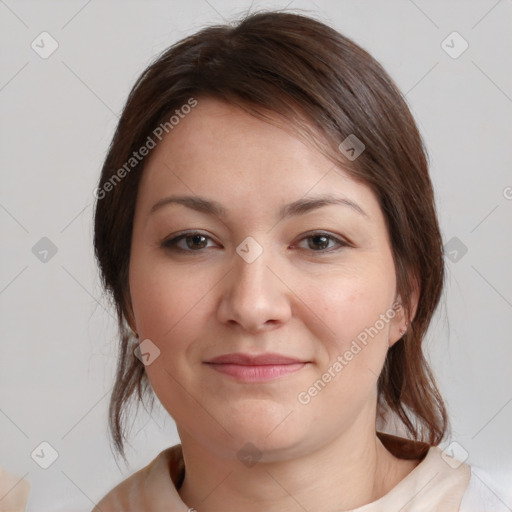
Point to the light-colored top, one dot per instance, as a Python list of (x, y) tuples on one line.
[(14, 492), (437, 484)]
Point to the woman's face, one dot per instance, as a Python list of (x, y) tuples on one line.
[(270, 321)]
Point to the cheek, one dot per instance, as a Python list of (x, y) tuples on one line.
[(352, 302), (356, 307), (171, 308), (350, 363), (166, 302)]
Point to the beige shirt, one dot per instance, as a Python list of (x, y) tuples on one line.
[(14, 492), (436, 484)]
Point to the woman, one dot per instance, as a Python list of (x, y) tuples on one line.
[(266, 226)]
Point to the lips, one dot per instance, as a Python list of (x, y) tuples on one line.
[(257, 360), (256, 368)]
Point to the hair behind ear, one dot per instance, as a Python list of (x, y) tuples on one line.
[(131, 382), (407, 387)]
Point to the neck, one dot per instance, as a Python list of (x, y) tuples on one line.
[(351, 471)]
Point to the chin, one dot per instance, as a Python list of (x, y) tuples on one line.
[(278, 433)]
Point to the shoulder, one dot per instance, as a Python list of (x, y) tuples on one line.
[(150, 488), (14, 492), (129, 493), (484, 494), (437, 482)]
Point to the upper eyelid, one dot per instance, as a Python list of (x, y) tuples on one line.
[(184, 234)]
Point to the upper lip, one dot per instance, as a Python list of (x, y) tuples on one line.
[(254, 360)]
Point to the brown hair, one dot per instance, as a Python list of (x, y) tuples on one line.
[(300, 69)]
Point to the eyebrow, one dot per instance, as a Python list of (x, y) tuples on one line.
[(299, 207)]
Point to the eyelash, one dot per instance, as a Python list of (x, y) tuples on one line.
[(171, 244)]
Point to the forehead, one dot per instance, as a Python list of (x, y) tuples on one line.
[(219, 150)]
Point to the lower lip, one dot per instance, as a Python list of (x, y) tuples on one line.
[(261, 373)]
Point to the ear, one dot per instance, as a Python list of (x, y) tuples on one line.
[(129, 314), (131, 323), (402, 319)]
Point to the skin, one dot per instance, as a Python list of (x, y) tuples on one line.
[(298, 298)]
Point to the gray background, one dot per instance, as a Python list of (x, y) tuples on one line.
[(58, 115)]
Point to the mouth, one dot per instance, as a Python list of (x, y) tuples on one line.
[(259, 368)]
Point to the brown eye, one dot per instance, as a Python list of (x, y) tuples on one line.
[(187, 242), (323, 242), (196, 241), (318, 242)]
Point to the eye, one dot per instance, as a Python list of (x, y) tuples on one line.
[(187, 242), (320, 242), (194, 241)]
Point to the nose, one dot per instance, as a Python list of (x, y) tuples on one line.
[(254, 297)]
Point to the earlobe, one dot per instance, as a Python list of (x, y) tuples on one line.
[(130, 318), (132, 325), (398, 325), (405, 315)]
